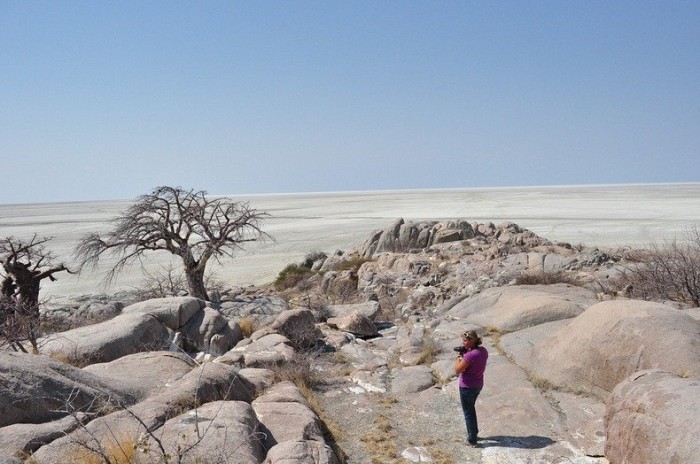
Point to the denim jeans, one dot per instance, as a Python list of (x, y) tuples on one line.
[(468, 398)]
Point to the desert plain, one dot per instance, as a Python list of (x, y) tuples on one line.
[(598, 215)]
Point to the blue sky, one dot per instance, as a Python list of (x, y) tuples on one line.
[(106, 100)]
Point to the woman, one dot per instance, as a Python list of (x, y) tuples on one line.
[(470, 367)]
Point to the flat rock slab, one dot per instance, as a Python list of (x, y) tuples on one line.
[(144, 374), (513, 308)]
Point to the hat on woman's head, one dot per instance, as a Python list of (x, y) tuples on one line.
[(471, 335)]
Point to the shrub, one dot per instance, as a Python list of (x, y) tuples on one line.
[(291, 276), (429, 350), (248, 326), (545, 278), (312, 257), (666, 272)]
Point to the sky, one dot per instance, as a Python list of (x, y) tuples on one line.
[(107, 100)]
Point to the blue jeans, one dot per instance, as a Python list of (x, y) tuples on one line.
[(468, 398)]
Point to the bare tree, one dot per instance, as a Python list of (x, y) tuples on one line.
[(24, 264), (666, 272), (183, 222)]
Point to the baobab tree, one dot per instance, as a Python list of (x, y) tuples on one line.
[(182, 222), (24, 265)]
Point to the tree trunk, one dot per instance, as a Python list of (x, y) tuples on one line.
[(195, 282)]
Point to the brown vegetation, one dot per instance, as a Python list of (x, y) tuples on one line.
[(666, 272)]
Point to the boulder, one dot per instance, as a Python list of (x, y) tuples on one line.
[(513, 308), (369, 309), (173, 312), (128, 333), (36, 389), (221, 431), (144, 374), (355, 323), (301, 452), (269, 349), (613, 339), (98, 310), (411, 379), (209, 383), (209, 331), (21, 439), (258, 307), (652, 417), (299, 326), (285, 418), (257, 379)]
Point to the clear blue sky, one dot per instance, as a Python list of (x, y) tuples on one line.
[(106, 100)]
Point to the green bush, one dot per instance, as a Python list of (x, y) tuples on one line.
[(291, 275)]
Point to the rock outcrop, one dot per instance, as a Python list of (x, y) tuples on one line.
[(652, 417), (612, 340)]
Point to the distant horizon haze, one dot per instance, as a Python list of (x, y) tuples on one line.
[(360, 192)]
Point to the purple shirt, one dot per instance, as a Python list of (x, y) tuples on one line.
[(473, 375)]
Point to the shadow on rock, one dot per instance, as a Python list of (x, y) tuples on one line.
[(508, 441)]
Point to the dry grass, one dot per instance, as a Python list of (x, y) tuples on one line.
[(381, 441), (120, 451), (441, 457), (540, 383), (300, 372), (248, 326), (381, 445), (544, 386), (429, 350), (546, 278), (496, 335)]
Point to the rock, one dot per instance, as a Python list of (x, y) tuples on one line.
[(221, 431), (301, 452), (369, 309), (260, 307), (411, 379), (209, 383), (613, 339), (286, 420), (21, 439), (173, 312), (354, 323), (125, 334), (36, 389), (209, 331), (99, 310), (144, 374), (256, 379), (652, 417), (583, 418), (299, 326), (269, 349), (513, 308), (417, 454)]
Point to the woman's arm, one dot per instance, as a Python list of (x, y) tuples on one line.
[(460, 365)]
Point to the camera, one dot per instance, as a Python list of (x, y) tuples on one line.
[(461, 350)]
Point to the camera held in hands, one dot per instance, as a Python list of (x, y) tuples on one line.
[(461, 350)]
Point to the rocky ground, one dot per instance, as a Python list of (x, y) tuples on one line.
[(569, 353)]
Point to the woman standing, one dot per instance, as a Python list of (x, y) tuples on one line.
[(470, 367)]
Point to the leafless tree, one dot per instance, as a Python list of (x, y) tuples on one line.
[(24, 265), (670, 271), (183, 222)]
